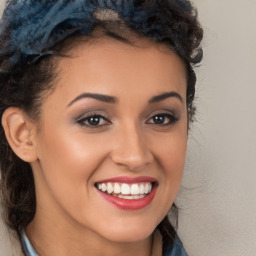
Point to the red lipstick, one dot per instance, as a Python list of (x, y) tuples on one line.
[(129, 203)]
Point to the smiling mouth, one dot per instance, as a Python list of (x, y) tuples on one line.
[(131, 191)]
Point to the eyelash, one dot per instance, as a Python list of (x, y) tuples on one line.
[(172, 119), (85, 120)]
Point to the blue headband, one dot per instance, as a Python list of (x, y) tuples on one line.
[(34, 26)]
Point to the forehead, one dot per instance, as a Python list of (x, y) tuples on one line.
[(109, 66)]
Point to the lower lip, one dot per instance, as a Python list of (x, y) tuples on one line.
[(130, 204)]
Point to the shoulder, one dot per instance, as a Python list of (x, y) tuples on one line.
[(176, 250), (9, 242)]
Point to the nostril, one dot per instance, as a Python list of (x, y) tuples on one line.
[(132, 165), (132, 160), (130, 148)]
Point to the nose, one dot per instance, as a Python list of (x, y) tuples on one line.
[(131, 149)]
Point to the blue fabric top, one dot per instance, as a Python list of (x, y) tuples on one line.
[(27, 247), (176, 250)]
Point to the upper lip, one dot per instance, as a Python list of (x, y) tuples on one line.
[(128, 180)]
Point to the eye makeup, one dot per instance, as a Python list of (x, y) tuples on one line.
[(94, 120), (95, 115), (163, 119)]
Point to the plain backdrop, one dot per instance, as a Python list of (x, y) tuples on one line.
[(217, 201)]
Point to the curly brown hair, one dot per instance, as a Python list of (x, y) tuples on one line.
[(25, 78)]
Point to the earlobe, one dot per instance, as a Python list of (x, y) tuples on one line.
[(20, 133)]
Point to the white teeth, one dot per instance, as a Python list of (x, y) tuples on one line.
[(117, 188), (124, 190), (142, 189), (135, 189), (130, 197), (110, 188), (103, 187), (146, 188)]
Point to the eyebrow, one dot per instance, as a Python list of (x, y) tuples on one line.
[(96, 96), (165, 96), (112, 99)]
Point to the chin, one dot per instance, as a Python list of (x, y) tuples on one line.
[(129, 236), (129, 232)]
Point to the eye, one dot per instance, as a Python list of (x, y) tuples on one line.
[(163, 119), (93, 121)]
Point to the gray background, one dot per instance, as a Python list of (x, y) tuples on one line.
[(217, 200)]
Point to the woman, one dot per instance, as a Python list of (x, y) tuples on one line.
[(96, 100)]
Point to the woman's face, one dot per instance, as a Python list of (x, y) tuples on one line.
[(112, 140)]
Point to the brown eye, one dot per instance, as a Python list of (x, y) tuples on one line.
[(94, 121), (159, 119), (163, 119)]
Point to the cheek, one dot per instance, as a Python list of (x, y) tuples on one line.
[(171, 153), (173, 166), (170, 150), (175, 160), (69, 153), (67, 161)]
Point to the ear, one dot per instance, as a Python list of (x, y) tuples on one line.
[(20, 132)]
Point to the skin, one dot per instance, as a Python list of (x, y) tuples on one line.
[(70, 156)]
